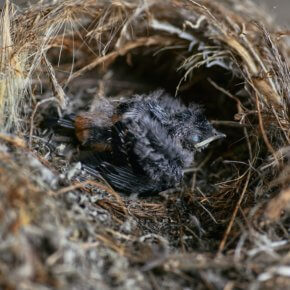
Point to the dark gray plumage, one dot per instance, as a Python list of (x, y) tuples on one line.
[(150, 139)]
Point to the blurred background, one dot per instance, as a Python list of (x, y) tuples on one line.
[(279, 8)]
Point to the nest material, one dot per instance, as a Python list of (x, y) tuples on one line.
[(229, 227)]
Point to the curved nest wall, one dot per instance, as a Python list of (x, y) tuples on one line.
[(227, 228)]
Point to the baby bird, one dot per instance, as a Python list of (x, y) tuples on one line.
[(141, 145)]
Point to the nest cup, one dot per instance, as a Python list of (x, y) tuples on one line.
[(206, 52), (224, 55)]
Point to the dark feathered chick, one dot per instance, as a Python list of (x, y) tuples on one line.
[(143, 144)]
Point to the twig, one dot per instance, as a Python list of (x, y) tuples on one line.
[(57, 88), (227, 93), (98, 185), (265, 137), (230, 225), (33, 115), (142, 41), (278, 120), (229, 123)]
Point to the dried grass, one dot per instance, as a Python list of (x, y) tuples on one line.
[(228, 229)]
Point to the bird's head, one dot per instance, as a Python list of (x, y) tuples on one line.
[(193, 130)]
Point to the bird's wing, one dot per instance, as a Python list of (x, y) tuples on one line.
[(121, 178)]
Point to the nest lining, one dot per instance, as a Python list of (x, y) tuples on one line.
[(67, 55)]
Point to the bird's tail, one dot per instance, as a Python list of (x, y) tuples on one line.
[(66, 122), (64, 126)]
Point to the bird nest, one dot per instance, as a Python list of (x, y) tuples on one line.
[(64, 229)]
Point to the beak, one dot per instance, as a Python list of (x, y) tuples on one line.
[(217, 135)]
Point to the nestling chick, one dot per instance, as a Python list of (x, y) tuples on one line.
[(141, 145)]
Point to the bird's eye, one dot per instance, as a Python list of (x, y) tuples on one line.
[(195, 138)]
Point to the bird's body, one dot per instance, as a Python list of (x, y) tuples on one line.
[(140, 145)]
